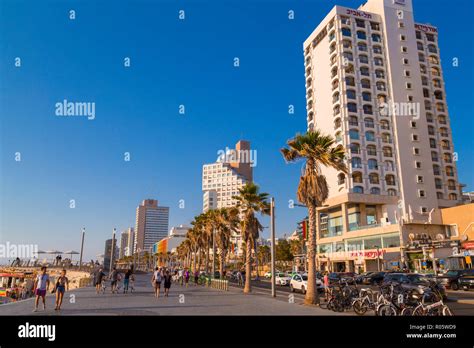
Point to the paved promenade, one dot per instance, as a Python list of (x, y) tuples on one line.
[(182, 301)]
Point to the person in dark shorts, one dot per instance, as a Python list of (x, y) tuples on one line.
[(156, 281), (98, 277), (114, 277), (40, 287), (167, 279), (126, 280), (62, 284), (196, 278)]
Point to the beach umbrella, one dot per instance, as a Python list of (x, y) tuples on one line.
[(71, 252)]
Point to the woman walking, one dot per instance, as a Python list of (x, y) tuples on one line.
[(126, 280), (156, 281), (186, 277), (167, 283), (62, 284)]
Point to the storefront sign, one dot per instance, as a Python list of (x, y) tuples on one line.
[(468, 245), (367, 254)]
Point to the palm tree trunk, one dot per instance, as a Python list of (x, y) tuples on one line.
[(222, 263), (194, 261), (312, 296), (199, 259), (248, 267), (207, 258)]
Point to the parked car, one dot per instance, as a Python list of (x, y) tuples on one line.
[(282, 279), (374, 278), (300, 282), (336, 277), (359, 277), (466, 282), (268, 275), (451, 277), (416, 282)]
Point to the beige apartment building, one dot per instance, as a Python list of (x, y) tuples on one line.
[(374, 81), (223, 179), (151, 225)]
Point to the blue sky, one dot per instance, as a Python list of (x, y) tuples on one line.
[(173, 62)]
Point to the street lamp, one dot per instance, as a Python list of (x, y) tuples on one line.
[(82, 247), (272, 237), (112, 250)]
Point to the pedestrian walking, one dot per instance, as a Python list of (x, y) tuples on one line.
[(40, 287), (132, 282), (167, 279), (196, 278), (326, 284), (114, 275), (239, 278), (186, 277), (99, 276), (126, 280), (156, 281), (62, 284)]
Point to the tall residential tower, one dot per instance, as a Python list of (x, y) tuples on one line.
[(151, 225), (374, 81)]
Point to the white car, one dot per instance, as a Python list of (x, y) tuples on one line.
[(300, 282), (282, 279), (268, 275)]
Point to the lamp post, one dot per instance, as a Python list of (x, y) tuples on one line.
[(272, 237), (82, 247), (112, 250)]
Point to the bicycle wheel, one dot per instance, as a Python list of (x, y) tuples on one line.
[(407, 312), (360, 307), (447, 312), (330, 304), (387, 310), (419, 312)]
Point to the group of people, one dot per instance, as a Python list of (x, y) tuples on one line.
[(115, 277), (42, 284), (161, 275)]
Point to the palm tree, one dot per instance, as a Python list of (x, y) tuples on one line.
[(250, 201), (227, 221), (317, 150)]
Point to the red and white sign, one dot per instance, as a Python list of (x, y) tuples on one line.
[(426, 28), (368, 254), (467, 245)]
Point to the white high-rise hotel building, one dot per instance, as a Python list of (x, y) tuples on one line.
[(374, 81), (223, 179)]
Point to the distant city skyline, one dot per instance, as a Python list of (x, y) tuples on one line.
[(157, 121)]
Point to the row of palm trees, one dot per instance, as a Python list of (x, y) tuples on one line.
[(315, 150)]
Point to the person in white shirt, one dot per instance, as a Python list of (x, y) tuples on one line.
[(156, 281), (40, 287)]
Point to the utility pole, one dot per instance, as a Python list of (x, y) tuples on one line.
[(112, 251), (378, 259), (82, 247), (272, 236)]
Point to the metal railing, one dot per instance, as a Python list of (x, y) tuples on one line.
[(219, 284)]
